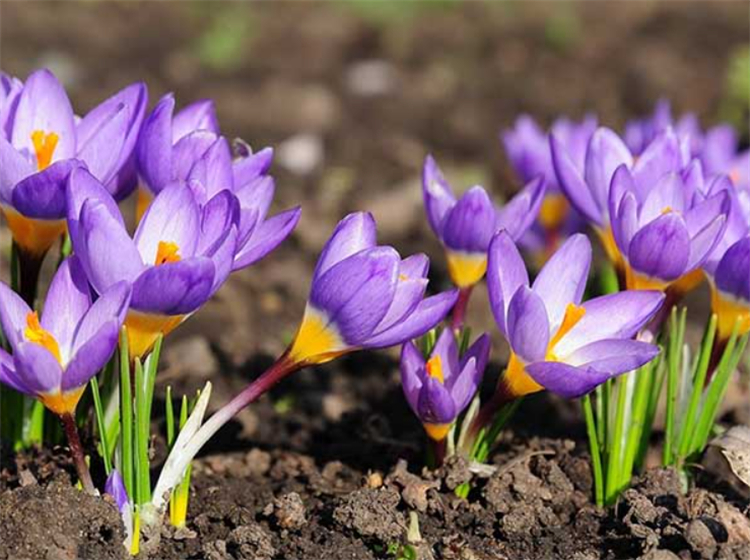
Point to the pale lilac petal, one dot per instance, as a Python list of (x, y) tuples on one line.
[(703, 242), (91, 356), (528, 325), (200, 115), (250, 168), (572, 184), (438, 196), (9, 375), (39, 369), (465, 384), (13, 168), (67, 300), (666, 194), (154, 149), (354, 233), (13, 313), (612, 356), (506, 272), (175, 288), (266, 237), (563, 278), (661, 249), (412, 368), (111, 307), (102, 150), (480, 351), (519, 214), (42, 195), (566, 380), (606, 152), (415, 266)]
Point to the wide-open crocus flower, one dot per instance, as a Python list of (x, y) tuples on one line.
[(440, 388), (41, 142), (188, 149), (588, 189), (177, 259), (466, 226), (528, 150), (54, 358), (666, 230), (364, 295), (558, 343)]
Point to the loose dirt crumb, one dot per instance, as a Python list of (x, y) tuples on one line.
[(288, 511), (372, 513)]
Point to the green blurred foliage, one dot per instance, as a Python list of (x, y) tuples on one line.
[(563, 30), (390, 12), (735, 105), (227, 36)]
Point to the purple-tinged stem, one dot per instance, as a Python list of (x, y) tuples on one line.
[(29, 267), (76, 450), (486, 414), (459, 310)]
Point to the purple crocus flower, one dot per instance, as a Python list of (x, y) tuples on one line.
[(556, 342), (178, 258), (720, 154), (639, 133), (54, 358), (588, 189), (730, 290), (41, 141), (187, 148), (666, 230), (440, 388), (465, 226), (364, 295), (528, 149)]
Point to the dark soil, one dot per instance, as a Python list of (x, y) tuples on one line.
[(329, 465)]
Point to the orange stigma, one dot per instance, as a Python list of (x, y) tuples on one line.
[(35, 333), (44, 147), (434, 368), (573, 314), (167, 252)]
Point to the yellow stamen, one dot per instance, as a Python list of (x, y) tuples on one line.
[(437, 432), (466, 269), (730, 312), (316, 341), (33, 236), (143, 200), (167, 252), (573, 314), (144, 328), (44, 147), (403, 277), (434, 368), (553, 211), (38, 335)]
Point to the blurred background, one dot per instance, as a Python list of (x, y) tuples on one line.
[(353, 95)]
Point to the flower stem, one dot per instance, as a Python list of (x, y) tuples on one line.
[(28, 270), (459, 310), (76, 450), (596, 457)]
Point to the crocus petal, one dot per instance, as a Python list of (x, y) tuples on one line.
[(108, 253), (426, 316), (102, 150), (465, 384), (154, 149), (625, 222), (612, 356), (200, 115), (44, 105), (115, 487), (572, 183), (606, 152), (13, 313), (447, 349), (733, 273), (68, 299), (255, 199), (435, 404), (42, 195), (172, 217), (661, 249), (188, 152), (248, 169), (9, 376), (438, 196), (91, 356), (218, 161), (566, 380), (412, 368), (660, 157), (356, 293), (528, 325), (111, 307), (39, 369), (354, 233), (563, 278), (506, 272), (619, 315), (415, 266), (666, 194), (13, 168), (480, 351), (409, 294), (174, 288), (519, 214), (217, 216), (223, 258), (267, 237), (704, 242), (470, 224)]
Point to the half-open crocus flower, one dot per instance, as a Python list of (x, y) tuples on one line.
[(440, 388), (666, 230), (588, 189), (466, 226), (54, 358), (187, 149), (528, 150), (362, 296), (171, 143), (41, 142), (558, 343), (177, 259)]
